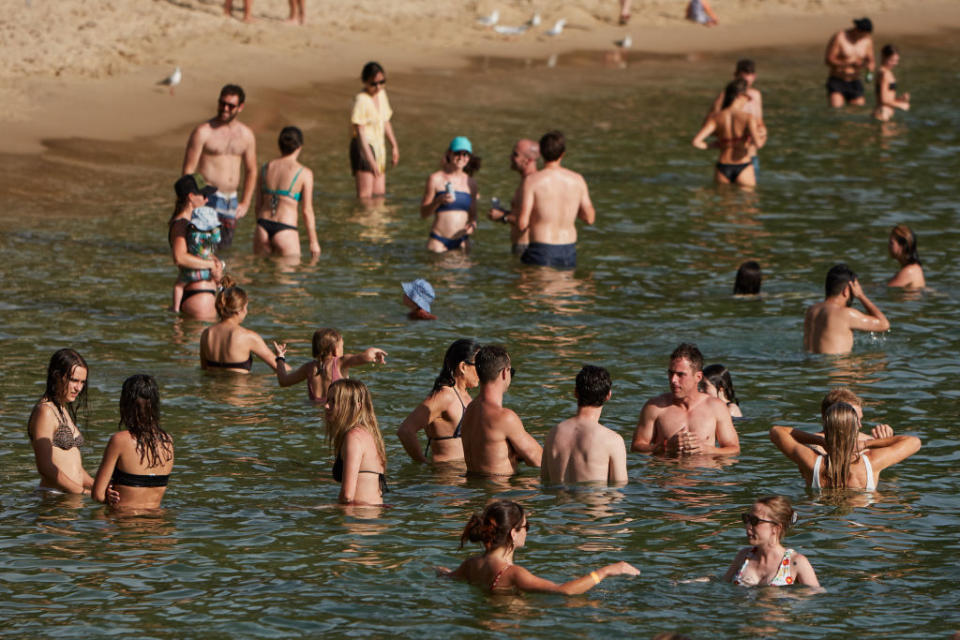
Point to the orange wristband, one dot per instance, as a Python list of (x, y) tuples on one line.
[(596, 578)]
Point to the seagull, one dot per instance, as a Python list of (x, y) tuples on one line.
[(172, 80), (552, 61), (534, 21), (557, 28), (626, 43), (490, 20), (510, 31)]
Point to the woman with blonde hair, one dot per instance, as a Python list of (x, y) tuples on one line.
[(227, 345), (848, 464), (903, 248), (354, 434)]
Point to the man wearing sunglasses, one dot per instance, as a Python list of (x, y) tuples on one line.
[(494, 440), (216, 149), (523, 160), (685, 421)]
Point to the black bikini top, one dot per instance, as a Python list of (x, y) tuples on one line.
[(134, 480), (246, 364), (337, 474)]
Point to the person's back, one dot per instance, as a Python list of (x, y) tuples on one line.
[(829, 331), (557, 193), (733, 133)]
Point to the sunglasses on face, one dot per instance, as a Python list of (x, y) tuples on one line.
[(229, 105), (457, 154), (377, 83), (752, 520)]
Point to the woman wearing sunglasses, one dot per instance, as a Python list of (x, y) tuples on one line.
[(451, 197), (501, 529), (371, 122), (767, 562)]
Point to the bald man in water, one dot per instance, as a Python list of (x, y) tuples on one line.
[(523, 160)]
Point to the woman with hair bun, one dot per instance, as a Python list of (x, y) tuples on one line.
[(227, 345), (903, 248), (501, 529), (768, 562), (139, 458), (354, 434), (440, 415)]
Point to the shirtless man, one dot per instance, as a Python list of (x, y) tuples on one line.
[(523, 160), (216, 149), (848, 52), (581, 449), (747, 71), (828, 326), (685, 421), (494, 439), (553, 198)]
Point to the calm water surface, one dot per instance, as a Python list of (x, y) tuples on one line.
[(251, 544)]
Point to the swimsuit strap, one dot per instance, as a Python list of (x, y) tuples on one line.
[(743, 567), (496, 578), (294, 181)]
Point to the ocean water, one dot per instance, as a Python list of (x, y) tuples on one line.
[(250, 542)]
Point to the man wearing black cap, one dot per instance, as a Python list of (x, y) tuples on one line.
[(849, 52)]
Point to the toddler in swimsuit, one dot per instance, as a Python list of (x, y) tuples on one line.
[(203, 236), (418, 295)]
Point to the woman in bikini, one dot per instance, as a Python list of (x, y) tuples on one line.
[(193, 251), (502, 529), (767, 562), (370, 121), (848, 463), (451, 197), (735, 129), (903, 248), (139, 458), (53, 429), (440, 415), (285, 185), (888, 100), (353, 433), (717, 382), (228, 346)]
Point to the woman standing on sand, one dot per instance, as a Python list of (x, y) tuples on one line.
[(735, 129), (371, 123)]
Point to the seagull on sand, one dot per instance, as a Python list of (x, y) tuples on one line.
[(490, 20), (534, 20), (172, 80), (626, 43), (557, 28)]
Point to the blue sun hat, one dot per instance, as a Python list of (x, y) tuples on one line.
[(461, 143), (420, 292), (205, 218)]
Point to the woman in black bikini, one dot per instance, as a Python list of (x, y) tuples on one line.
[(888, 100), (441, 413), (139, 457), (198, 295), (354, 434), (285, 184), (734, 128), (227, 346)]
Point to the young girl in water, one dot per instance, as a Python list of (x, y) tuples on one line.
[(767, 562), (501, 529), (903, 248), (329, 363)]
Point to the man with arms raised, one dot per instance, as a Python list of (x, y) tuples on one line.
[(685, 421), (216, 149), (581, 449), (494, 439), (523, 160), (828, 326), (553, 199), (848, 52)]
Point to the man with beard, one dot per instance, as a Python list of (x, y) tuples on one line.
[(828, 326)]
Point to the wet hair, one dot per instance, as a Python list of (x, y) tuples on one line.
[(231, 299), (907, 241), (552, 145), (839, 276), (745, 65), (840, 429), (325, 343), (462, 350), (492, 527), (351, 406), (370, 71), (490, 361), (719, 376), (733, 89), (888, 51), (782, 512), (61, 366), (233, 90), (749, 277), (690, 352), (593, 384), (839, 394), (291, 139), (140, 415)]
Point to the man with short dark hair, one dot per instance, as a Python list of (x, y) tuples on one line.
[(553, 199), (685, 421), (216, 149), (523, 160), (494, 440), (848, 53), (581, 449), (829, 325)]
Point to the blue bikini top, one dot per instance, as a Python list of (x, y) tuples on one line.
[(281, 192), (462, 201)]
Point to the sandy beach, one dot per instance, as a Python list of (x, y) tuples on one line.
[(89, 68)]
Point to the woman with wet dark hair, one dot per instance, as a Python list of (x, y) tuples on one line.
[(139, 457), (903, 248), (371, 124), (717, 382), (749, 278), (440, 415), (737, 133), (501, 529), (53, 429)]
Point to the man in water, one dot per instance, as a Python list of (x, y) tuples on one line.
[(746, 70), (553, 198), (494, 440), (216, 149), (523, 160), (581, 449), (848, 52), (685, 421), (829, 325)]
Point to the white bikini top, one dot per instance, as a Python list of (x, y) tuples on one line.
[(871, 484)]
